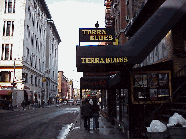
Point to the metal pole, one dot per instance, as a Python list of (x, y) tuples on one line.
[(13, 84)]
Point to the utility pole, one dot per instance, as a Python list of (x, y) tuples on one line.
[(13, 85)]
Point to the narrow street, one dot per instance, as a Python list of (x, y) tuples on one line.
[(39, 123)]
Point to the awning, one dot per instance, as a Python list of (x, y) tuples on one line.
[(135, 51), (5, 92)]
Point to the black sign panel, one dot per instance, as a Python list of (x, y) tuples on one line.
[(93, 83), (138, 47), (99, 74), (102, 58), (96, 34)]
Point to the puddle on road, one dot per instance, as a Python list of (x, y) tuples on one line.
[(65, 130)]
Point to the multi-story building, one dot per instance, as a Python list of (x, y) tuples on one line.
[(154, 87), (63, 85), (29, 47), (71, 90)]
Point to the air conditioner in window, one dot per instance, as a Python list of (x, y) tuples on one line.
[(127, 18)]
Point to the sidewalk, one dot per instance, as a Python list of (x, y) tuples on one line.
[(105, 131)]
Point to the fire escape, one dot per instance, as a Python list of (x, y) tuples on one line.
[(109, 19)]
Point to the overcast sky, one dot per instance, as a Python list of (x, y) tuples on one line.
[(69, 16)]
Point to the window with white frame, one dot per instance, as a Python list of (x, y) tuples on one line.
[(31, 79), (36, 62), (27, 54), (8, 28), (35, 81), (10, 6), (6, 52)]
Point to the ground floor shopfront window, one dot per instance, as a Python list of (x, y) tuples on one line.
[(151, 86), (122, 105)]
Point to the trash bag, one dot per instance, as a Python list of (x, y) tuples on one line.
[(176, 119), (156, 126)]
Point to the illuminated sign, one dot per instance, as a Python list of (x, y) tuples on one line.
[(96, 35), (104, 60)]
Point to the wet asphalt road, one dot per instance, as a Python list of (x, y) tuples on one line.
[(38, 123)]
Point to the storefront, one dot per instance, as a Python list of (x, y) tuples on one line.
[(139, 92), (151, 86)]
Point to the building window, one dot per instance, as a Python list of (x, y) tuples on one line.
[(52, 48), (27, 56), (28, 30), (35, 81), (24, 77), (36, 62), (32, 40), (36, 44), (10, 6), (39, 65), (6, 52), (8, 28), (39, 82), (31, 79), (31, 59), (5, 76)]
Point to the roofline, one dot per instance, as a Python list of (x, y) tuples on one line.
[(45, 7)]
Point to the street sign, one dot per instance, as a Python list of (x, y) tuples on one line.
[(96, 34)]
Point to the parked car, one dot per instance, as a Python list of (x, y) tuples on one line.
[(65, 102), (70, 102), (78, 102), (5, 104), (2, 103)]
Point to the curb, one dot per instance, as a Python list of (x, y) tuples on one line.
[(73, 126)]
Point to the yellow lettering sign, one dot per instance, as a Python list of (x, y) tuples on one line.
[(120, 59), (104, 60), (103, 32), (96, 60), (100, 37), (83, 60), (110, 37), (93, 31), (107, 60), (125, 59), (91, 37), (117, 60), (98, 31), (84, 31), (105, 37), (96, 37)]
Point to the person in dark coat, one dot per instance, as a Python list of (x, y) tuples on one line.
[(86, 110), (23, 104), (95, 114)]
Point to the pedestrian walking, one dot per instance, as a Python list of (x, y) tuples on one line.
[(87, 111), (28, 104), (95, 114), (23, 104)]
